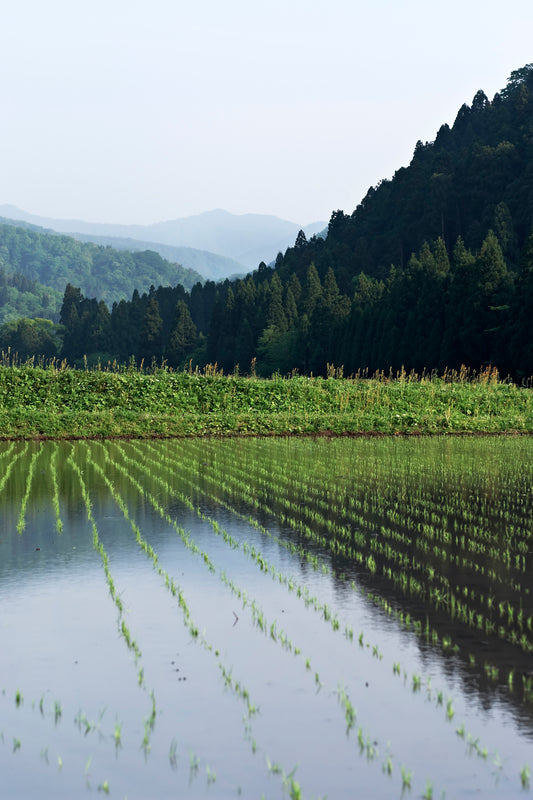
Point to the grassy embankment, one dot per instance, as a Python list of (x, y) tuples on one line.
[(61, 402)]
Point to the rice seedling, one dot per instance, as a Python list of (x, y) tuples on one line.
[(449, 709), (258, 615), (117, 735), (9, 469), (145, 744), (387, 766), (292, 786), (55, 493), (406, 778), (418, 627), (83, 723), (194, 765), (259, 618), (210, 775), (21, 524), (387, 550), (349, 710), (173, 754)]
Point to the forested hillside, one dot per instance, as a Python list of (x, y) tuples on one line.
[(217, 244), (22, 297), (54, 261), (433, 269)]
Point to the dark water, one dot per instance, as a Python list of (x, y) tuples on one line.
[(73, 715)]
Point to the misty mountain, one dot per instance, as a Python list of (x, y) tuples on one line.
[(245, 239), (44, 262), (209, 265)]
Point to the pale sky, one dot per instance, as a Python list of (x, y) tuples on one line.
[(138, 111)]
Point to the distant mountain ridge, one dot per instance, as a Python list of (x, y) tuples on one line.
[(243, 240), (40, 262)]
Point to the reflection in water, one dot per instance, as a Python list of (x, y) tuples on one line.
[(266, 573)]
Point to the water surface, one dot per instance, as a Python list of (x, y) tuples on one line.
[(248, 681)]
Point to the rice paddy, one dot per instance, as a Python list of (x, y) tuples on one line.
[(266, 618)]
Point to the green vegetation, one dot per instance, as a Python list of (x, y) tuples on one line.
[(434, 534), (433, 269), (22, 297), (55, 260), (59, 402)]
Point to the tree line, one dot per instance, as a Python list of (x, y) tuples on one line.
[(54, 260), (433, 269), (440, 311)]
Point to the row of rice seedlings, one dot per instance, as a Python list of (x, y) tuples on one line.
[(250, 550), (420, 579), (473, 539), (149, 722), (218, 481), (20, 455), (7, 451), (21, 524), (258, 616), (170, 584), (85, 727), (488, 535), (54, 712), (480, 614), (264, 566), (235, 686), (370, 498), (107, 571), (407, 579), (455, 610), (449, 713), (302, 553), (55, 489), (327, 614), (419, 627), (416, 685), (491, 671), (331, 517)]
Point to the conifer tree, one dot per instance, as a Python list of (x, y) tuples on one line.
[(151, 339), (183, 336), (312, 291)]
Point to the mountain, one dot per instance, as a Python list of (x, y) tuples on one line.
[(208, 266), (53, 260), (245, 239), (475, 176), (432, 271)]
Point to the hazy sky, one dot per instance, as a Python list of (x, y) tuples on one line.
[(146, 110)]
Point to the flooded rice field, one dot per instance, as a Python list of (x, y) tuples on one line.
[(266, 618)]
